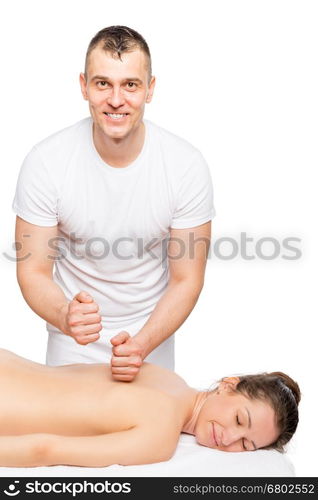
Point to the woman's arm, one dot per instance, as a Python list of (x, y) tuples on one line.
[(139, 445), (135, 446), (26, 450)]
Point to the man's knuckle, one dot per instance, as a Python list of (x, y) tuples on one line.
[(74, 329)]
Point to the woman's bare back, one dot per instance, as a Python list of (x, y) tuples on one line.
[(83, 400)]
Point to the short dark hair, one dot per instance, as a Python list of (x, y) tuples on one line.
[(117, 40)]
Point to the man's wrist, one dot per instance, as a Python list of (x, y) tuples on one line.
[(144, 341), (61, 315)]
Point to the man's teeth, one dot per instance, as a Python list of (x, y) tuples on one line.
[(112, 115)]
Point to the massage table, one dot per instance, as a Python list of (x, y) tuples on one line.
[(189, 460)]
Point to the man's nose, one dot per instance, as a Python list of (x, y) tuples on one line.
[(115, 98)]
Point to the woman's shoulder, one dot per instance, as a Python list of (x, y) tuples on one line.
[(160, 378), (160, 408)]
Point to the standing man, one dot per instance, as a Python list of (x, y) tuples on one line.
[(122, 209)]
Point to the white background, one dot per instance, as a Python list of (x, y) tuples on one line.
[(238, 79)]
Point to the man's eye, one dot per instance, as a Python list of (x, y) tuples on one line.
[(103, 83), (131, 85)]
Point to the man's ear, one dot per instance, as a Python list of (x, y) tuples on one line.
[(151, 89), (229, 384), (82, 81)]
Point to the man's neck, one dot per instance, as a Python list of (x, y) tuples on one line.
[(119, 152)]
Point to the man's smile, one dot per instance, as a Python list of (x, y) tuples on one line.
[(115, 116)]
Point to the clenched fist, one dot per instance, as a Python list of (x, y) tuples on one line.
[(127, 357), (81, 320)]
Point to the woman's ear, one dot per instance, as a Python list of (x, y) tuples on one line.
[(228, 384)]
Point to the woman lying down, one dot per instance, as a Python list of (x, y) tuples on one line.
[(78, 415)]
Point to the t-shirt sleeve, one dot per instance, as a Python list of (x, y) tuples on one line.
[(195, 201), (35, 198)]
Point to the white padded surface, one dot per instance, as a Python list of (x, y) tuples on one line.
[(189, 460)]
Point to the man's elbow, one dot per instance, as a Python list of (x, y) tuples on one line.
[(192, 285), (25, 277), (198, 286), (24, 282)]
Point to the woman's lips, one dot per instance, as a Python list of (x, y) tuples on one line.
[(215, 443)]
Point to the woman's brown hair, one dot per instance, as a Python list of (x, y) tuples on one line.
[(282, 393)]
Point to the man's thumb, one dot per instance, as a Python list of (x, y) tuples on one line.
[(120, 338), (83, 297)]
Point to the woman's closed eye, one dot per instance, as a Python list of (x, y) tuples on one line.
[(242, 440)]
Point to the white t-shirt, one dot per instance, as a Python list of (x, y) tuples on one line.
[(113, 223)]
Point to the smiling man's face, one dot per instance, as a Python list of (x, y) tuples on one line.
[(117, 91)]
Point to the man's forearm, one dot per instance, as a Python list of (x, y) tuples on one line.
[(171, 311), (44, 297)]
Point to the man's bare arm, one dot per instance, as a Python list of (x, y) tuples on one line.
[(187, 252), (36, 254), (35, 271)]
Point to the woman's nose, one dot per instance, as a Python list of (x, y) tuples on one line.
[(231, 436)]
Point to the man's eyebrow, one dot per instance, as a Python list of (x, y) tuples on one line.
[(249, 426), (102, 77)]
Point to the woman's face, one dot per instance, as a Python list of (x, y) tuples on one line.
[(230, 421)]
